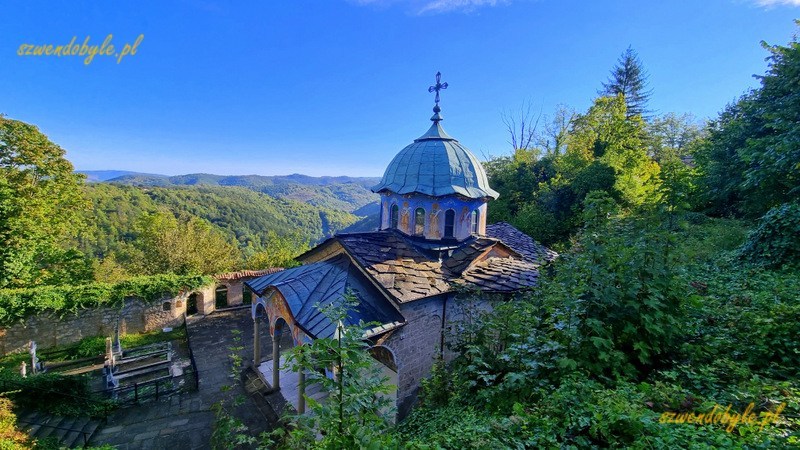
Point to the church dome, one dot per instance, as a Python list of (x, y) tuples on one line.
[(436, 164)]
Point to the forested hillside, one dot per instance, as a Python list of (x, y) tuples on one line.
[(248, 221), (340, 193)]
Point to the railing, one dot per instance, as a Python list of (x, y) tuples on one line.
[(85, 434), (155, 389), (191, 353)]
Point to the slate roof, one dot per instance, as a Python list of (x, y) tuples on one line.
[(435, 164), (309, 288), (410, 269), (520, 242), (406, 268)]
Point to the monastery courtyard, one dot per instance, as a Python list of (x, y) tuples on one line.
[(186, 421)]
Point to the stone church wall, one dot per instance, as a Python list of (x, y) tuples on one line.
[(417, 345)]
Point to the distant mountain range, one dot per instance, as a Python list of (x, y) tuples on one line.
[(97, 176), (348, 194)]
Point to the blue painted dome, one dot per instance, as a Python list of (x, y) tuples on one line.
[(436, 164)]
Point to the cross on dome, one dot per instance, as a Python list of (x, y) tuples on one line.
[(438, 86)]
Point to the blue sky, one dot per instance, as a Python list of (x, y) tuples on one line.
[(339, 87)]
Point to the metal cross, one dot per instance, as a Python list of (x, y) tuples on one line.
[(438, 86)]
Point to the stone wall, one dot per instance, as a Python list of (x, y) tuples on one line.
[(416, 346), (135, 316)]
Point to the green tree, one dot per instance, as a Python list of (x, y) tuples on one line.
[(40, 205), (749, 162), (279, 251), (167, 244), (673, 135), (629, 79), (605, 134), (719, 163), (772, 154)]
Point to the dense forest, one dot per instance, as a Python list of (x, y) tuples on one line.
[(676, 292), (248, 222)]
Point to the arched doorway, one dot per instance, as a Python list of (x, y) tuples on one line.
[(247, 295), (386, 364), (221, 296), (191, 304)]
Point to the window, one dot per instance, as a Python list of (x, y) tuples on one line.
[(474, 221), (419, 221), (167, 306), (449, 223), (394, 217)]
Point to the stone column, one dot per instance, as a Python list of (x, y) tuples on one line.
[(256, 344), (301, 387), (276, 361)]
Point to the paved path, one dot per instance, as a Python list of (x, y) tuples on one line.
[(185, 421)]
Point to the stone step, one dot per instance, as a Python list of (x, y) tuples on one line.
[(90, 429), (63, 428), (68, 431), (75, 438), (47, 427)]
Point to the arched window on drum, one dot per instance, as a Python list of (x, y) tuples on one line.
[(449, 223), (419, 222), (394, 217)]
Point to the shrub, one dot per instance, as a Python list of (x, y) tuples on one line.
[(775, 241)]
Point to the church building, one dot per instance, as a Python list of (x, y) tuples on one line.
[(432, 241)]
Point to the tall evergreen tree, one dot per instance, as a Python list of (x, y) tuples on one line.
[(629, 78)]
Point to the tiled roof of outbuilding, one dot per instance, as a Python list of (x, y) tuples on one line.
[(520, 242)]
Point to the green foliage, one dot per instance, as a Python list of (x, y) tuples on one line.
[(673, 135), (18, 304), (55, 393), (607, 135), (278, 251), (776, 240), (11, 437), (750, 160), (170, 245), (684, 326), (604, 150), (135, 230), (40, 205)]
